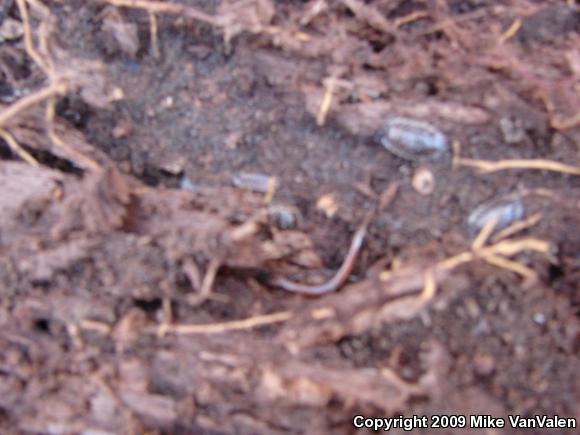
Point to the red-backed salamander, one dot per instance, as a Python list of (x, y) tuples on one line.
[(339, 277)]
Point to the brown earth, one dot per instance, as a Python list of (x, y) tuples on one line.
[(138, 257)]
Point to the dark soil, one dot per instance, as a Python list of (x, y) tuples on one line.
[(133, 236)]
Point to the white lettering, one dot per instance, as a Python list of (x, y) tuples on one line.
[(514, 420), (542, 421)]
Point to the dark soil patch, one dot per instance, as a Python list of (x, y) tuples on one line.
[(198, 150)]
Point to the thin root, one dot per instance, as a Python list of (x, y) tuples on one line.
[(326, 103), (57, 88), (516, 227), (430, 286), (565, 124), (80, 157), (495, 254), (75, 336), (484, 234), (456, 153), (153, 33), (272, 184), (93, 325), (501, 165), (206, 283), (513, 266), (16, 148), (236, 325), (28, 44), (511, 31), (413, 16), (505, 248)]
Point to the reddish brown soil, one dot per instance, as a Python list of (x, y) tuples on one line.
[(107, 246)]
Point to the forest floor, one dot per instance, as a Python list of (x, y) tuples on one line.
[(164, 164)]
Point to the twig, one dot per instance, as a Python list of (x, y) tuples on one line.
[(501, 165)]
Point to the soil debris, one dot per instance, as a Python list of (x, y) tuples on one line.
[(170, 169)]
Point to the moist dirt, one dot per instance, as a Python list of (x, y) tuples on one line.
[(163, 162)]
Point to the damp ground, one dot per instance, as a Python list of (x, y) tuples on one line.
[(198, 150)]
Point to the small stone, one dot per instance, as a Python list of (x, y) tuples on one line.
[(423, 181), (539, 318), (327, 203), (167, 102), (173, 164)]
